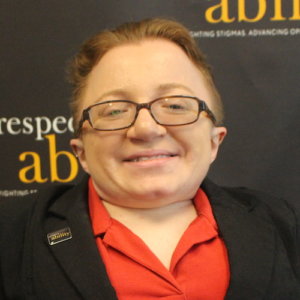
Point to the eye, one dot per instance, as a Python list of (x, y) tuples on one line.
[(176, 107), (114, 112)]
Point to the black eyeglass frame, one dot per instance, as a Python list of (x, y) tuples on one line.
[(202, 106)]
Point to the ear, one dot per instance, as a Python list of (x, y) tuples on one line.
[(217, 136), (78, 149)]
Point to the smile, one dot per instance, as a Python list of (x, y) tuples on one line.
[(150, 157), (144, 158)]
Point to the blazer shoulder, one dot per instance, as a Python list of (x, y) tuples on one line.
[(15, 213), (250, 199), (275, 211), (282, 214), (20, 217), (15, 210), (277, 208)]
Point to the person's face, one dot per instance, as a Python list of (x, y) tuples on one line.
[(147, 165)]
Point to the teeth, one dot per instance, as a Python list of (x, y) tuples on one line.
[(143, 158)]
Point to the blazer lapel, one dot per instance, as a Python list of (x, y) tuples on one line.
[(78, 256), (250, 244)]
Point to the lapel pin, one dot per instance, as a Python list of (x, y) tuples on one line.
[(59, 236)]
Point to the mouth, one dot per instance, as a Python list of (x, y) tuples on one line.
[(153, 157)]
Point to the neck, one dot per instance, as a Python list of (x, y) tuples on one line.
[(160, 228), (151, 215)]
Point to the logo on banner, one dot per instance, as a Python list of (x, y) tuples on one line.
[(221, 13), (35, 166), (44, 130), (237, 12)]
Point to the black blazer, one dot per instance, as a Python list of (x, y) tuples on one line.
[(262, 244)]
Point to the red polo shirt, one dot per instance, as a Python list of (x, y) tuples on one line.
[(199, 267)]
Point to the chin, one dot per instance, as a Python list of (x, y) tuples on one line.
[(161, 195)]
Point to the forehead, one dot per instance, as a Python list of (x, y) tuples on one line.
[(144, 70)]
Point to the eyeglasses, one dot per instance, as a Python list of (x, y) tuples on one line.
[(169, 111)]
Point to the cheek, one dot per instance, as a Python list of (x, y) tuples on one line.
[(101, 149), (96, 152), (98, 159), (198, 145)]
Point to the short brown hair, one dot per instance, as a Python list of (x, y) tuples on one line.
[(94, 48)]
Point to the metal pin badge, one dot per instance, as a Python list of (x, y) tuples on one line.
[(59, 236)]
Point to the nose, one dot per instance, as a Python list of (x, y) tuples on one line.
[(145, 127)]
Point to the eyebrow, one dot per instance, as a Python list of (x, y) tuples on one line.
[(162, 88), (113, 93), (172, 86)]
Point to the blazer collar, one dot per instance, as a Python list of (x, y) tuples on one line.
[(249, 240), (78, 256)]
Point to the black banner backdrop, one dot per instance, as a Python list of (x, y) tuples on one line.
[(253, 46)]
